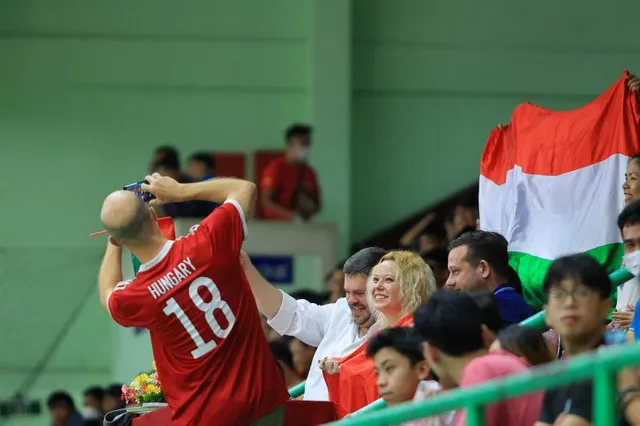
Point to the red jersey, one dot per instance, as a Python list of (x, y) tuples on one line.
[(213, 359), (356, 385), (283, 177)]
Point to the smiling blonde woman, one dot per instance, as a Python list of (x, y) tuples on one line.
[(398, 284)]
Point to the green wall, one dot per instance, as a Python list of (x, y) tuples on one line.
[(431, 79)]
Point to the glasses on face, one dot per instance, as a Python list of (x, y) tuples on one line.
[(579, 294)]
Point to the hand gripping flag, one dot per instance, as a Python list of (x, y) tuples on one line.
[(551, 182)]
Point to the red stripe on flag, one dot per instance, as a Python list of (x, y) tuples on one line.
[(550, 143)]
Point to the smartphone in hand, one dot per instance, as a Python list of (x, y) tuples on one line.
[(135, 188)]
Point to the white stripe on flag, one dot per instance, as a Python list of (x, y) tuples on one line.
[(550, 216)]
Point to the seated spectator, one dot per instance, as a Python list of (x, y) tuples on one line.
[(112, 398), (524, 342), (334, 284), (576, 291), (491, 317), (412, 238), (92, 403), (284, 358), (629, 292), (401, 369), (302, 356), (463, 218), (201, 166), (400, 283), (62, 410), (479, 260), (450, 324), (437, 261), (289, 186), (162, 154), (399, 363), (170, 166)]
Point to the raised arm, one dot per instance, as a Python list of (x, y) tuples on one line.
[(298, 318), (268, 298), (217, 190), (110, 273)]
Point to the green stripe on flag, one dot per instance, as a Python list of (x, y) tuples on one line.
[(136, 265), (532, 269)]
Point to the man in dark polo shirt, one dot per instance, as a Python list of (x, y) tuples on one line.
[(576, 291), (289, 185), (478, 260)]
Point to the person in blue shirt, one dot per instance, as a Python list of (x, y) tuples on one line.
[(479, 260), (201, 166), (169, 165), (63, 411)]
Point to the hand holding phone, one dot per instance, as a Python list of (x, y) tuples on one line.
[(136, 189)]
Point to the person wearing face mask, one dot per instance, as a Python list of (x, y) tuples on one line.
[(92, 403), (289, 186), (629, 292)]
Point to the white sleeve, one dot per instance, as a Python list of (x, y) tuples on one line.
[(302, 320)]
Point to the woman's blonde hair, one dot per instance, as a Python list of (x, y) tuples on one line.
[(413, 275)]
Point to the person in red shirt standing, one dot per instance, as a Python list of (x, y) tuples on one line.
[(213, 359), (289, 185)]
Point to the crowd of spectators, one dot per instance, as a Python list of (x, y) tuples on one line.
[(439, 312), (466, 332), (200, 166), (96, 402)]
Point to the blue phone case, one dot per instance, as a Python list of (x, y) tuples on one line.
[(135, 188)]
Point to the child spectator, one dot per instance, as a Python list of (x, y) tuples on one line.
[(402, 370)]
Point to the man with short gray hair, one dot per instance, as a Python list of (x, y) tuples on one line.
[(335, 329)]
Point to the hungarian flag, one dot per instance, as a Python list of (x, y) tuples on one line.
[(551, 182), (167, 228), (356, 384)]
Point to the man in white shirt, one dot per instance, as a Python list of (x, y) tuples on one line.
[(336, 329)]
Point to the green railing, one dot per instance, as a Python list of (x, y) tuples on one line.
[(600, 366), (296, 390), (536, 321)]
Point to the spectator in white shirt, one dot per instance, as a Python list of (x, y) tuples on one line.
[(335, 329)]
